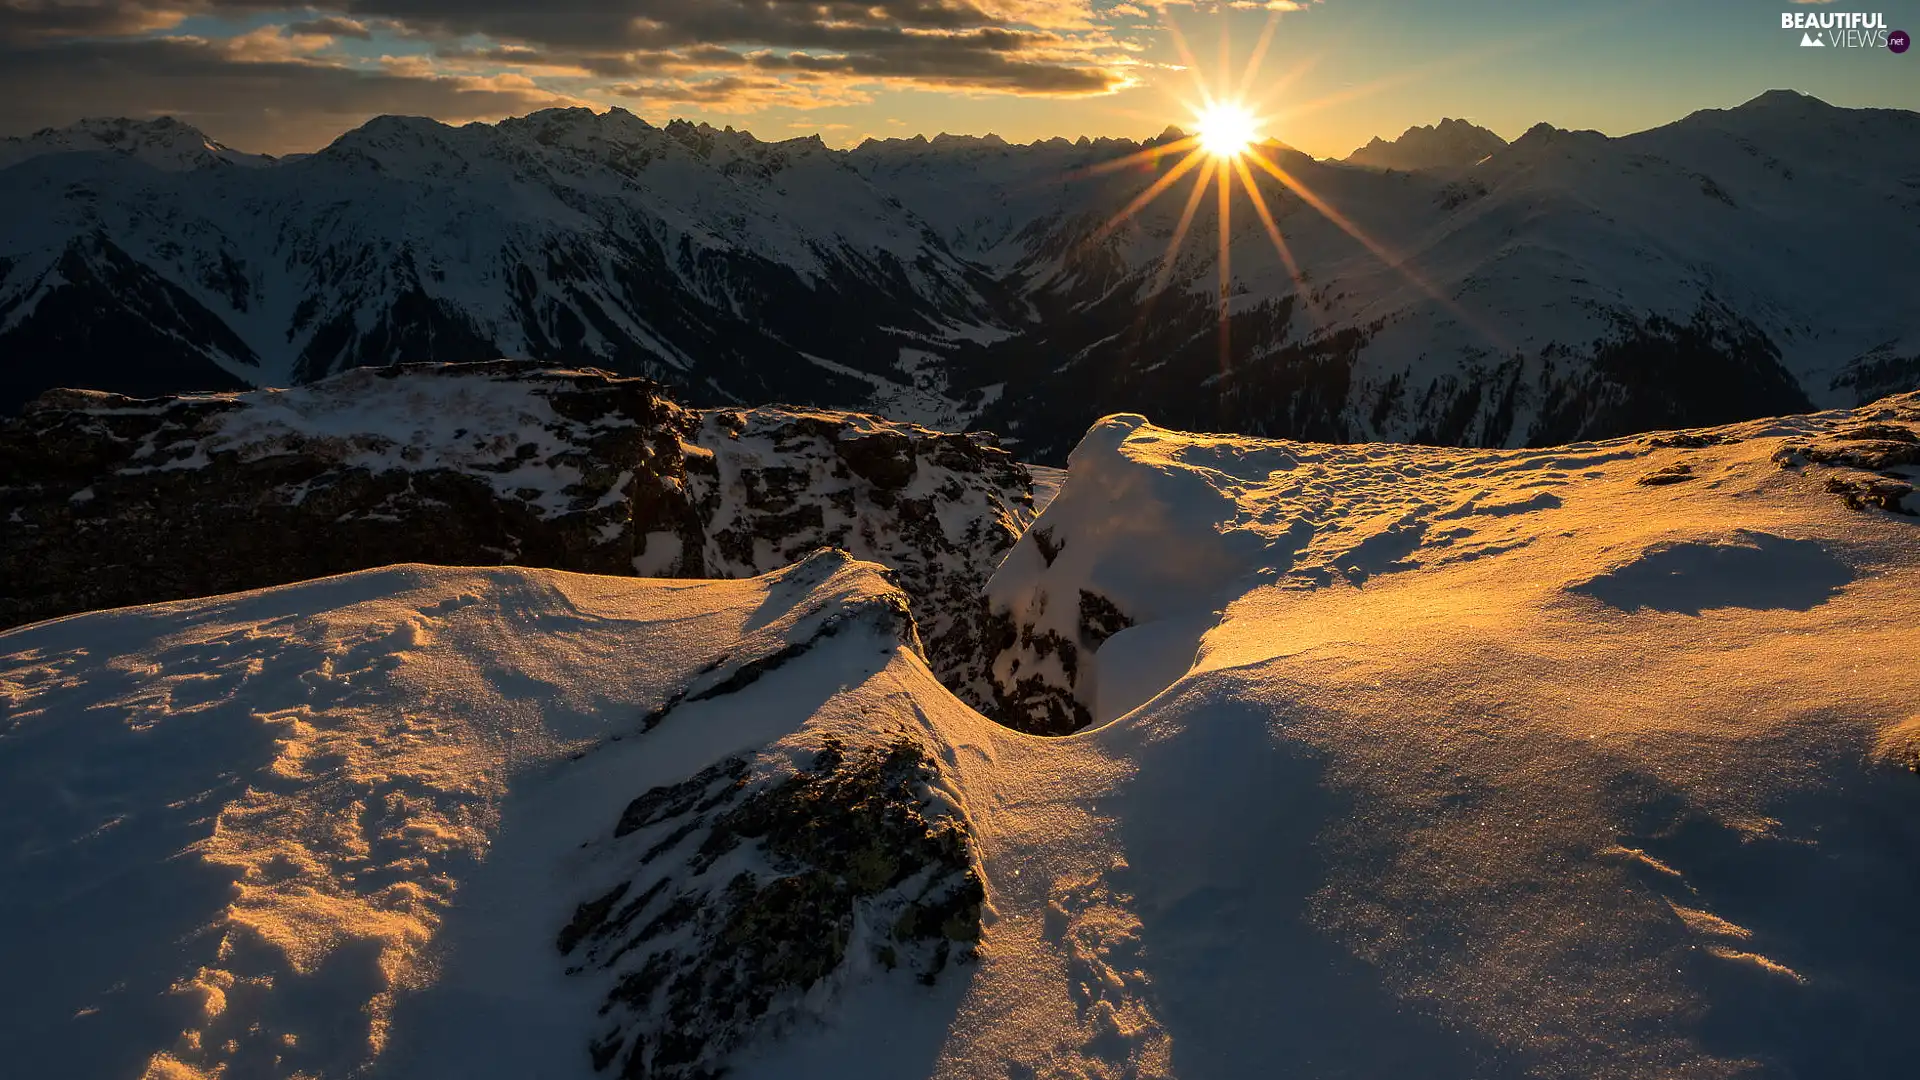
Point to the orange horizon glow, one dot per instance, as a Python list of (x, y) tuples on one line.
[(1231, 134)]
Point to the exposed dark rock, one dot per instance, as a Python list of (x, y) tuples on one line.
[(1035, 675), (1886, 433), (1039, 706), (113, 501), (789, 873), (1048, 547), (1688, 440), (1099, 619), (940, 509), (1039, 670), (1873, 464), (1856, 452), (1863, 493), (1678, 473), (884, 460)]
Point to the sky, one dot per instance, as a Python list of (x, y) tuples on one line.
[(272, 78)]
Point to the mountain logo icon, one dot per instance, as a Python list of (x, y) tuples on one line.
[(1808, 41)]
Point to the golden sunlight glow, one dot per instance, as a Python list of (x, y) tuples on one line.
[(1226, 129), (1230, 146)]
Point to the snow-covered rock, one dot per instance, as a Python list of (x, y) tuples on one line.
[(941, 510), (112, 501), (1410, 761)]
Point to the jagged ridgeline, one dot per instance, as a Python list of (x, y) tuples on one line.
[(1563, 286), (110, 501)]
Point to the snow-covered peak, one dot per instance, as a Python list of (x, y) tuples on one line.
[(408, 144), (579, 127), (1450, 143), (1787, 102), (1544, 134), (164, 143)]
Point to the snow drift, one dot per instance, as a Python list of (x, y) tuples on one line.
[(1583, 762)]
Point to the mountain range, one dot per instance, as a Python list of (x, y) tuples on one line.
[(1733, 264)]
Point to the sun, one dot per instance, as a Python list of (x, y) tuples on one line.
[(1226, 129)]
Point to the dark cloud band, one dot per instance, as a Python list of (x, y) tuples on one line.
[(706, 51)]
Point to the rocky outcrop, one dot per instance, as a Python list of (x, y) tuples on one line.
[(941, 509), (1039, 671), (750, 887), (110, 501), (1872, 463)]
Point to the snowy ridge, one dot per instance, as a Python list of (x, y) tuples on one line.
[(368, 825), (1408, 761), (1450, 143), (163, 143)]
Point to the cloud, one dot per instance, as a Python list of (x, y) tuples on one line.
[(248, 94), (23, 21), (333, 26), (1014, 46), (736, 94), (724, 54)]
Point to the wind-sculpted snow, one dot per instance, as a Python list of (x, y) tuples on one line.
[(314, 822), (1577, 765), (1165, 528), (1404, 761)]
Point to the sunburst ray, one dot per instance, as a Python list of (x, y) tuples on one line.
[(1173, 175), (1280, 244), (1227, 143), (1187, 213), (1393, 260)]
